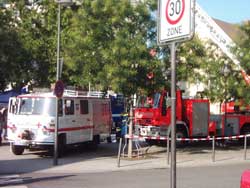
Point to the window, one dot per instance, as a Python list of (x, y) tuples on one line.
[(69, 107), (37, 106), (164, 107), (60, 109), (13, 105), (144, 102), (84, 107), (156, 101)]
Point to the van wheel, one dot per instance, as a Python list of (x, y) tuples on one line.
[(17, 150), (109, 140), (93, 145)]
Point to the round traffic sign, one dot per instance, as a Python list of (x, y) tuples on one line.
[(176, 20), (174, 11), (59, 89)]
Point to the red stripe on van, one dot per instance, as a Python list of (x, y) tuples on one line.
[(72, 128)]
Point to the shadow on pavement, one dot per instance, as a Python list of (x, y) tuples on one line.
[(206, 147), (16, 180), (32, 161)]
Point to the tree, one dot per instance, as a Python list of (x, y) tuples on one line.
[(217, 72), (242, 51), (14, 57), (37, 28), (191, 57), (111, 52)]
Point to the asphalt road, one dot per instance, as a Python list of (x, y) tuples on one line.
[(191, 177), (94, 169)]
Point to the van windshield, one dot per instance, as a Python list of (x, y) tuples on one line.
[(37, 106)]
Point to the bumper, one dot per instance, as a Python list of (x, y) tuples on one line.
[(151, 130), (28, 143)]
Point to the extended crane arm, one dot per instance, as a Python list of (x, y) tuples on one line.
[(206, 27)]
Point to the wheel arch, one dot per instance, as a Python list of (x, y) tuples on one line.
[(245, 128), (180, 125)]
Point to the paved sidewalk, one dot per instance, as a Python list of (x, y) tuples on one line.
[(155, 158), (105, 159)]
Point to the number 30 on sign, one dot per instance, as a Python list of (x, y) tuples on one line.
[(175, 20)]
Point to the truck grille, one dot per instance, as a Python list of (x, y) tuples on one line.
[(144, 121)]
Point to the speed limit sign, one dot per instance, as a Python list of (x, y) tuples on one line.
[(175, 20)]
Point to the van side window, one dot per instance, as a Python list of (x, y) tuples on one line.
[(69, 107), (84, 107), (60, 108), (13, 106)]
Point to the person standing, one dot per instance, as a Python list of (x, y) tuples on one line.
[(1, 126), (4, 126)]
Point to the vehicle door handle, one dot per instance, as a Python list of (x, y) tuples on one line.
[(73, 120)]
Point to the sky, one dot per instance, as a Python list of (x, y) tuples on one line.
[(232, 11)]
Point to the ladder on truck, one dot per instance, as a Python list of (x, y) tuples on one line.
[(206, 27), (79, 93)]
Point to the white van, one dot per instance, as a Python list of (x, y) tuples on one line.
[(83, 117)]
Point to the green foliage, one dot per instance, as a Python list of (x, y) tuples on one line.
[(37, 30), (191, 56), (106, 43), (103, 42), (242, 51), (28, 43), (111, 52), (13, 55), (203, 62), (219, 75)]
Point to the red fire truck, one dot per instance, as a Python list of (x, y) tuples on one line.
[(152, 117), (235, 107), (193, 119)]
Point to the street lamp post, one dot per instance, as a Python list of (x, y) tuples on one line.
[(58, 73)]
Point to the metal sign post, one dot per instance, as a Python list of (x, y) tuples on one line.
[(175, 24), (59, 88), (57, 78), (58, 92), (173, 117)]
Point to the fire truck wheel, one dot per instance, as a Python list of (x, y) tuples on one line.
[(17, 150), (180, 133), (244, 131), (151, 142)]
